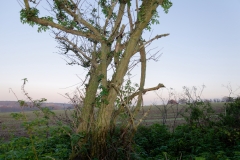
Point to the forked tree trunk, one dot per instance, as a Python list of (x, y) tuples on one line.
[(105, 112), (97, 127)]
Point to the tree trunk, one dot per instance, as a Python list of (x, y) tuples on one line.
[(89, 102), (97, 128)]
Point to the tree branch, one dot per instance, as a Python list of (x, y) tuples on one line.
[(130, 18), (160, 85), (146, 43), (78, 17), (77, 49), (117, 22), (26, 4), (60, 27), (46, 22), (156, 37), (142, 79), (113, 4)]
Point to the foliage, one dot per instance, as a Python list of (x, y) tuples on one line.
[(20, 148), (229, 121), (231, 117), (198, 113), (43, 141), (151, 141), (186, 143), (220, 140), (33, 12)]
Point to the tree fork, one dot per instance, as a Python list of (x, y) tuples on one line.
[(96, 46)]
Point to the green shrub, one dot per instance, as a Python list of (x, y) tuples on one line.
[(194, 140), (151, 141), (231, 118), (22, 149)]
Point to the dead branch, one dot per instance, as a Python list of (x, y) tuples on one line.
[(160, 85)]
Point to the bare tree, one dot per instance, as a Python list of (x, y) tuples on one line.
[(106, 38), (171, 108)]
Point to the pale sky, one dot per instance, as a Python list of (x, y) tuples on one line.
[(203, 48)]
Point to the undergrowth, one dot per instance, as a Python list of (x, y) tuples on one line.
[(204, 136)]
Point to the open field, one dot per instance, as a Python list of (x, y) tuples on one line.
[(9, 126), (173, 114)]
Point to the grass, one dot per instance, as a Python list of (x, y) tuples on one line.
[(10, 127)]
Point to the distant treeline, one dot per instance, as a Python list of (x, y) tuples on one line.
[(14, 106)]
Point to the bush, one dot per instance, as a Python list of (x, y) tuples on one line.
[(231, 118), (200, 138), (151, 141), (22, 148)]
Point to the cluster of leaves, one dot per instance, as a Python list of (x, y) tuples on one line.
[(106, 7), (128, 89), (26, 14), (63, 17), (101, 96), (166, 5)]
